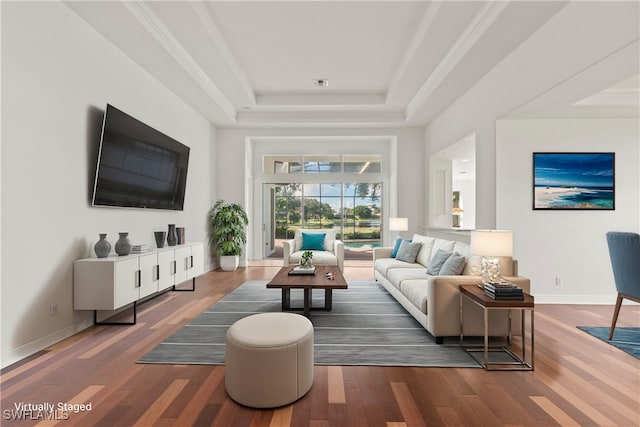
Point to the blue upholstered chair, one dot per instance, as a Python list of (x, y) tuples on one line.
[(624, 250)]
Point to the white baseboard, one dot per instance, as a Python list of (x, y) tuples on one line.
[(26, 350), (576, 299)]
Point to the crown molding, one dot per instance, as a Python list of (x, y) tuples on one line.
[(215, 35), (480, 23), (143, 14), (411, 52)]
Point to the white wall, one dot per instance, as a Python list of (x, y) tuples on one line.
[(580, 38), (569, 245), (585, 48), (58, 74), (232, 146)]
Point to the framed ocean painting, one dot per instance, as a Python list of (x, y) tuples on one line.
[(577, 181)]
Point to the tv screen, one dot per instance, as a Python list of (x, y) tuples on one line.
[(138, 166)]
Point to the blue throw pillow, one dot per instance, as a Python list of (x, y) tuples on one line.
[(313, 241), (395, 249)]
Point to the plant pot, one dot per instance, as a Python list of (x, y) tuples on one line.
[(229, 262)]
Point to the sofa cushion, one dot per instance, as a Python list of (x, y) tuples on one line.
[(408, 251), (383, 265), (313, 241), (424, 255), (319, 258), (398, 275), (462, 249), (416, 292), (453, 266), (445, 245), (437, 261), (329, 238)]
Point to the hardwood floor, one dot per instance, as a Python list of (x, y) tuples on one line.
[(578, 380)]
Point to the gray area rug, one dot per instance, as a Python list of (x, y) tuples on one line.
[(366, 327)]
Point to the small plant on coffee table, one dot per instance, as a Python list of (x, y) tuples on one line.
[(305, 261)]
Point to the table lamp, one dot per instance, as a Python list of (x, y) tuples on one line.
[(491, 244), (398, 224)]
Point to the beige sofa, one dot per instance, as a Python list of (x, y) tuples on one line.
[(434, 301), (332, 253)]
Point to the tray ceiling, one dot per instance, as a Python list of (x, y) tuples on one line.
[(388, 63)]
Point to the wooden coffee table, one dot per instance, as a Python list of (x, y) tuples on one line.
[(319, 280)]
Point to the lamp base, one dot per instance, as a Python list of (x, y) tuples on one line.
[(490, 270)]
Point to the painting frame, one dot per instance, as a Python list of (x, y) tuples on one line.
[(574, 181)]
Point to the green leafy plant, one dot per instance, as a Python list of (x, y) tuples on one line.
[(227, 228), (306, 256), (305, 260)]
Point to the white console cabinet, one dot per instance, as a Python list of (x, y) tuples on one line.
[(188, 262), (114, 282)]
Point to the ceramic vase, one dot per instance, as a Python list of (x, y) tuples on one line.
[(172, 236), (102, 247), (160, 238), (180, 231), (123, 245)]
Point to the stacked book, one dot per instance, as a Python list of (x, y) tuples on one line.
[(503, 291), (138, 249)]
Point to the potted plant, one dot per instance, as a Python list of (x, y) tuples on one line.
[(227, 233), (306, 260)]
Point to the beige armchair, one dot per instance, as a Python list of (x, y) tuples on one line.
[(332, 252)]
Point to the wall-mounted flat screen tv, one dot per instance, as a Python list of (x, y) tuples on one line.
[(138, 166)]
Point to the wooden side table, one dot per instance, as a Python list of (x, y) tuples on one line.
[(515, 362)]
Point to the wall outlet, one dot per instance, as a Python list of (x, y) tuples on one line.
[(53, 309), (558, 281)]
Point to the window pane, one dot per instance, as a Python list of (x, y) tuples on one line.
[(322, 164), (312, 190), (362, 163), (362, 214), (282, 164), (321, 205), (288, 207)]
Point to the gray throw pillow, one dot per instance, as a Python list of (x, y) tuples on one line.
[(453, 266), (437, 261), (408, 251)]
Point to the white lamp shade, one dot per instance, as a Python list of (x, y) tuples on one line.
[(398, 224), (492, 242)]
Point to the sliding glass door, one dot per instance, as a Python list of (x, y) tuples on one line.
[(342, 192), (352, 209)]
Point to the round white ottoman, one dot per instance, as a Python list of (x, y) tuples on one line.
[(269, 359)]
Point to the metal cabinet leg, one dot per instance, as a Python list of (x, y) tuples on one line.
[(191, 289), (133, 322)]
